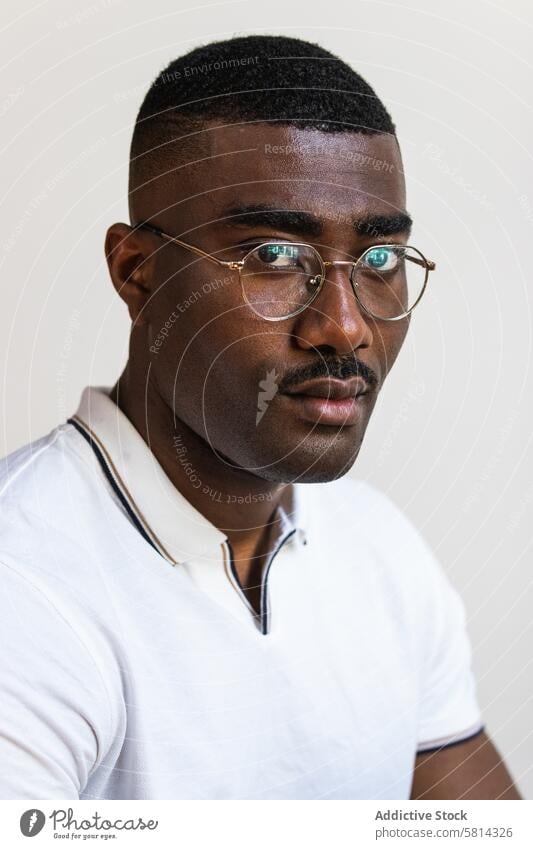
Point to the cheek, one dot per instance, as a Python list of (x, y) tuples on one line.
[(388, 340), (214, 287), (184, 308), (208, 355), (218, 386)]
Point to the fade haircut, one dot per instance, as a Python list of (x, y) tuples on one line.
[(256, 78)]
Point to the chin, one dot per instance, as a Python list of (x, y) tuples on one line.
[(305, 465)]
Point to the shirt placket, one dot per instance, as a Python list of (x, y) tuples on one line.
[(217, 576)]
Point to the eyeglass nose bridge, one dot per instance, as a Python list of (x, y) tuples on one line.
[(319, 280), (327, 263)]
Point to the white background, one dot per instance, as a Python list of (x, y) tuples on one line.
[(450, 438)]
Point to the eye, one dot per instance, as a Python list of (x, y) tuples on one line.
[(278, 255), (383, 258)]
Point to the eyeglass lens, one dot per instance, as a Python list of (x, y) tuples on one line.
[(279, 279)]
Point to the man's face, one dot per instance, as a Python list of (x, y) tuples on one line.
[(229, 374)]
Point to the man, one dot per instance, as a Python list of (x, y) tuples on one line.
[(198, 601)]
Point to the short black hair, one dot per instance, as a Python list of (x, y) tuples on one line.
[(251, 78)]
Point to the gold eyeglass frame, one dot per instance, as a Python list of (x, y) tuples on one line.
[(237, 265)]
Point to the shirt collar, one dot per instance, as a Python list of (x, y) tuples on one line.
[(175, 528)]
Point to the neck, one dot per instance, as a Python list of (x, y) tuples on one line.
[(240, 504)]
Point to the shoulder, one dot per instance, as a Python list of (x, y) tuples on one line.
[(48, 466), (50, 503), (48, 491)]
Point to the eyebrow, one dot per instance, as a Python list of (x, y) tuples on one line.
[(384, 225), (261, 215), (306, 224)]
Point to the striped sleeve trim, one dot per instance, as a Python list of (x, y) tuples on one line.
[(453, 740)]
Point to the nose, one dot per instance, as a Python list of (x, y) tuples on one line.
[(334, 318)]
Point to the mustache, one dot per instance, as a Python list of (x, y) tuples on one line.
[(338, 367)]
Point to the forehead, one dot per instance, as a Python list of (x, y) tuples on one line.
[(282, 165)]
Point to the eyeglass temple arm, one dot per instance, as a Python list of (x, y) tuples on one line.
[(192, 248), (425, 263)]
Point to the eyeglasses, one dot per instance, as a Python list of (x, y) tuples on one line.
[(280, 279)]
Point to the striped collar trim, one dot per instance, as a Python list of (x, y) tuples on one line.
[(169, 522)]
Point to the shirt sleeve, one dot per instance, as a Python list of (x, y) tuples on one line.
[(54, 715), (449, 709)]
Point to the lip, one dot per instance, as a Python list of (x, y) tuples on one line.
[(330, 401), (331, 388)]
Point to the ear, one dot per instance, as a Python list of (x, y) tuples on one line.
[(130, 256)]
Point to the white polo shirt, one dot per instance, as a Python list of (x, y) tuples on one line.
[(133, 667)]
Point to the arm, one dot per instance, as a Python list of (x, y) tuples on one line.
[(472, 769)]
